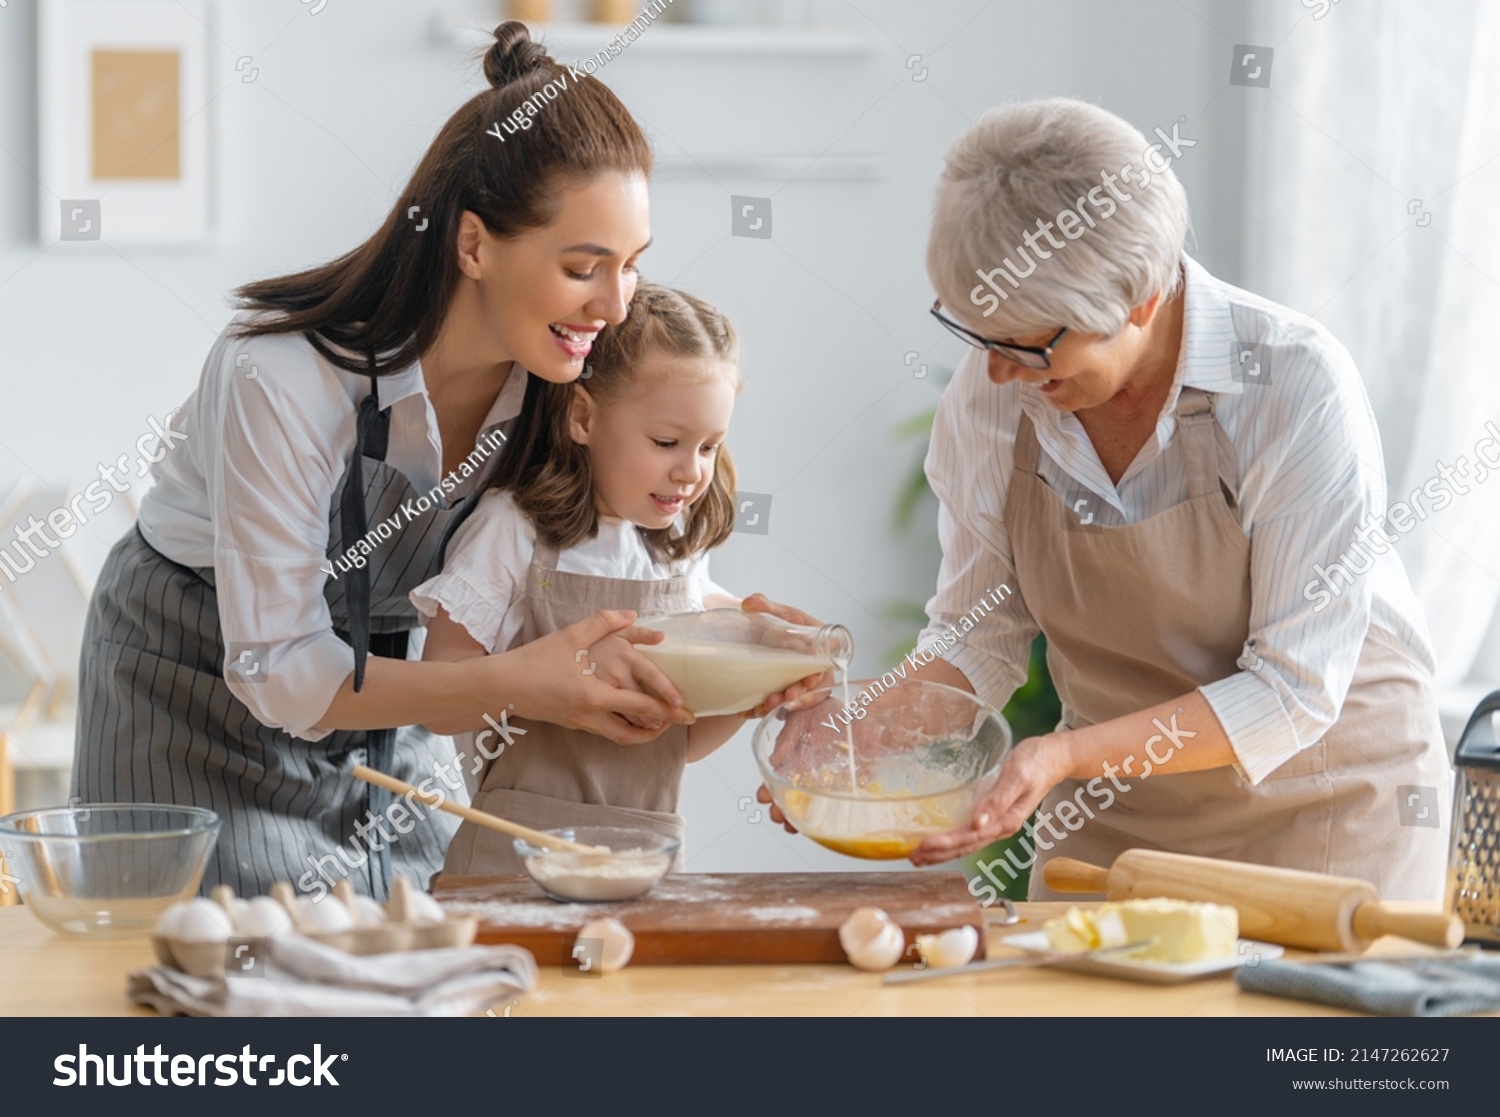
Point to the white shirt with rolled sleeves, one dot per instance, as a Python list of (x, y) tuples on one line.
[(1311, 474), (270, 431)]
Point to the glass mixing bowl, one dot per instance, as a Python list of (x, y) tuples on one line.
[(923, 754), (107, 870), (635, 860)]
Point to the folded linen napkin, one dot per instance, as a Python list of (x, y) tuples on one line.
[(1438, 986), (300, 977)]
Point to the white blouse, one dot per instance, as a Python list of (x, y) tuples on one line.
[(270, 431), (1311, 473), (483, 580)]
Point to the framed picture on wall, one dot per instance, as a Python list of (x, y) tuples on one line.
[(123, 128)]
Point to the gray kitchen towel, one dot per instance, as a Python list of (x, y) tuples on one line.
[(1439, 986), (301, 977)]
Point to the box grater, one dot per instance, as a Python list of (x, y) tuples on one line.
[(1474, 868)]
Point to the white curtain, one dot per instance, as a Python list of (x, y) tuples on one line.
[(1373, 205)]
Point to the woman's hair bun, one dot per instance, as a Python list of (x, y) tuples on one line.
[(513, 55)]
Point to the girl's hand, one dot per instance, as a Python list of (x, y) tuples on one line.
[(587, 676), (1033, 768), (615, 661), (760, 603)]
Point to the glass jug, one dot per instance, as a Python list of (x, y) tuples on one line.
[(725, 661)]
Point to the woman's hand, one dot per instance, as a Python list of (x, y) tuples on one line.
[(1033, 768), (763, 795), (760, 603), (589, 676), (801, 741)]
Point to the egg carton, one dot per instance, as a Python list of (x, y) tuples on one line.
[(410, 920)]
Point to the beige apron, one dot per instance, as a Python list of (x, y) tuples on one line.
[(1139, 614), (555, 777)]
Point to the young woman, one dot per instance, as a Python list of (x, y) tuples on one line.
[(343, 424)]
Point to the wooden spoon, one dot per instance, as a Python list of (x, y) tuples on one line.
[(478, 818)]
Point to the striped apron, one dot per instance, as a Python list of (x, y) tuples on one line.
[(157, 722)]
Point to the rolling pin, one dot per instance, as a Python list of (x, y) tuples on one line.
[(1287, 906)]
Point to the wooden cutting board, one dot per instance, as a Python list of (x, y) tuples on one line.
[(694, 918)]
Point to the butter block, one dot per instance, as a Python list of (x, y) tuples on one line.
[(1184, 931)]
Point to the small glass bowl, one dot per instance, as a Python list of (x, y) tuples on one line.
[(107, 870), (636, 860)]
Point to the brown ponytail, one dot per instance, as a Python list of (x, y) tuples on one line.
[(386, 299)]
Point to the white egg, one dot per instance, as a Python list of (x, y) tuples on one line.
[(261, 918), (871, 941), (327, 916), (367, 913), (954, 947), (195, 921), (618, 944), (422, 909)]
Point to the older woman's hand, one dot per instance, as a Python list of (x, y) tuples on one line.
[(760, 603), (1033, 768)]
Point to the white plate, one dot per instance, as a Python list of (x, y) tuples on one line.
[(1156, 973)]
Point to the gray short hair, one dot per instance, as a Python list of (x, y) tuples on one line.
[(1036, 161)]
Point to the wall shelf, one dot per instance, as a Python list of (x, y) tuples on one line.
[(775, 168), (570, 42)]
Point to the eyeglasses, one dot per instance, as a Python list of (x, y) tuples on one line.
[(1032, 356)]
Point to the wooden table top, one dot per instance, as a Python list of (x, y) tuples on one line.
[(45, 974)]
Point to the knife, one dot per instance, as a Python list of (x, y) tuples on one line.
[(1048, 958)]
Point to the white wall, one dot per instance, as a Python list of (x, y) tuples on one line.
[(95, 337)]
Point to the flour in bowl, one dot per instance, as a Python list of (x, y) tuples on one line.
[(597, 877)]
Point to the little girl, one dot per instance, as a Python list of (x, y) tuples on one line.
[(608, 496)]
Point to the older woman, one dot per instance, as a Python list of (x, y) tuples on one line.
[(1168, 475)]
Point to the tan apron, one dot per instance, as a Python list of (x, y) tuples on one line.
[(555, 777), (1139, 614)]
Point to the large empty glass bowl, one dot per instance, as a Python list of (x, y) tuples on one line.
[(923, 754), (107, 870)]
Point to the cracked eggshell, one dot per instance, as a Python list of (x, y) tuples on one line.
[(954, 947), (871, 941), (619, 943)]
